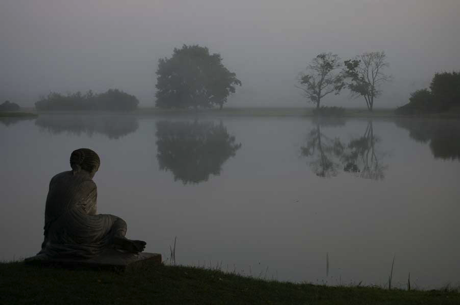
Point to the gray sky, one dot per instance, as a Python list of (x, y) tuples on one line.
[(70, 45)]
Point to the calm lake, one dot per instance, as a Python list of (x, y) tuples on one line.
[(293, 199)]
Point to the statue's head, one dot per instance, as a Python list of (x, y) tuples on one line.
[(84, 159)]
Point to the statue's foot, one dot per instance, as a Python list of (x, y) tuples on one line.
[(140, 245), (38, 257), (133, 246)]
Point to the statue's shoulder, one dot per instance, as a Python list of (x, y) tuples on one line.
[(61, 176), (69, 177)]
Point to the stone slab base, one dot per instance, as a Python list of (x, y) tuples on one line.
[(109, 260)]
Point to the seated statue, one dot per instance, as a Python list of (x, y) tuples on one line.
[(73, 229)]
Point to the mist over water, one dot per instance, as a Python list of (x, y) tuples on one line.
[(277, 193)]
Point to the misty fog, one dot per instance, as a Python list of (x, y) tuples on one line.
[(68, 46)]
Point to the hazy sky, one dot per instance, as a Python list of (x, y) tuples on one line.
[(70, 45)]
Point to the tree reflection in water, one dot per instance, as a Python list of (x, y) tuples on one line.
[(112, 126), (193, 151), (443, 136), (361, 157), (329, 155), (8, 121), (325, 153)]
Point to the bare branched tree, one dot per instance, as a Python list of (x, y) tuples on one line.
[(321, 78), (366, 75)]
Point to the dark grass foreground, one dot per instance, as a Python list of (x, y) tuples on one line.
[(20, 284)]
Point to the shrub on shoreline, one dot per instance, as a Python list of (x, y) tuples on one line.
[(8, 106), (444, 93), (112, 100)]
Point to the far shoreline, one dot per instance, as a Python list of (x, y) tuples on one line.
[(243, 112), (17, 114)]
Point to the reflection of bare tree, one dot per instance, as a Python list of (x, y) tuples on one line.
[(361, 157), (324, 152), (7, 121)]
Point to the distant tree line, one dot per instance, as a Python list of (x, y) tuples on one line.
[(443, 94), (112, 100), (195, 78)]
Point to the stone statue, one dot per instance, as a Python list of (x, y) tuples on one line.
[(73, 229)]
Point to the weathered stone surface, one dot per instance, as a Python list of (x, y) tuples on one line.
[(110, 259), (73, 228)]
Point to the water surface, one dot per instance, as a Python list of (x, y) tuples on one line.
[(267, 197)]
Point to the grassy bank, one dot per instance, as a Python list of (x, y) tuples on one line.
[(20, 284)]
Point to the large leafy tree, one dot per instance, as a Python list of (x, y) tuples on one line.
[(193, 77), (321, 78), (366, 74)]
